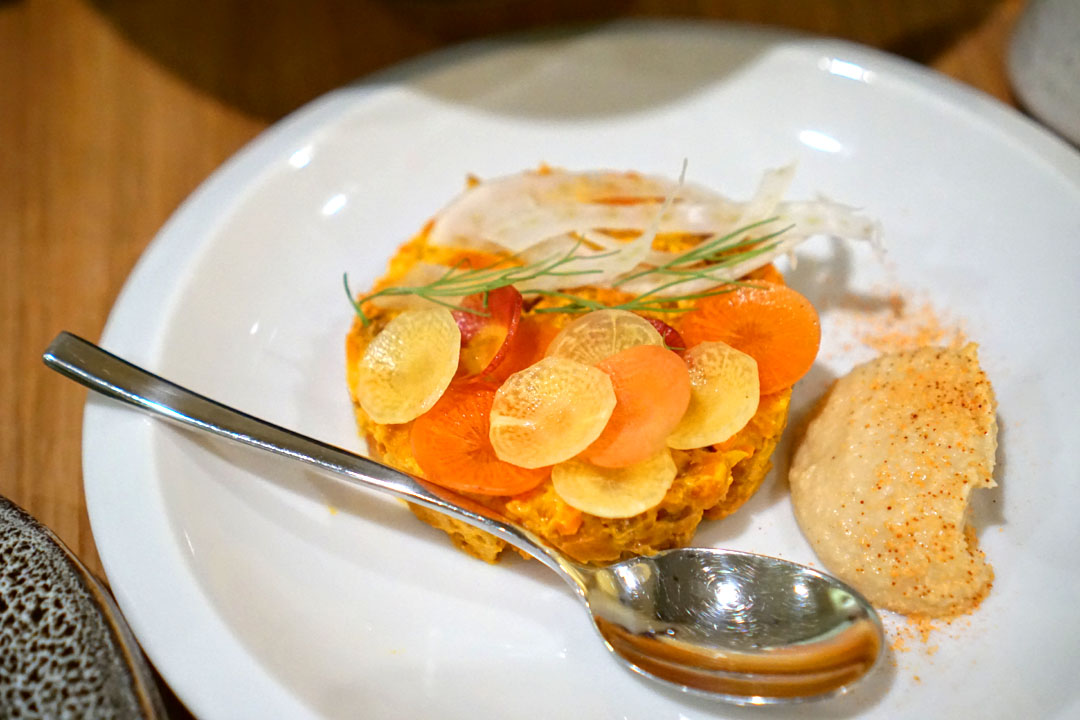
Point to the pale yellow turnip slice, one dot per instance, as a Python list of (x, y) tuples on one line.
[(724, 395), (408, 365), (602, 333), (614, 492), (550, 412)]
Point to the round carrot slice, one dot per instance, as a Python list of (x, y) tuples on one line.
[(724, 396), (615, 492), (602, 333), (408, 365), (652, 391), (550, 412), (771, 323), (450, 442)]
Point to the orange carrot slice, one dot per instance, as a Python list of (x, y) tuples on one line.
[(771, 323), (767, 273), (450, 442), (652, 391)]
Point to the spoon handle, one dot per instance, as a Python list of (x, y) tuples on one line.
[(103, 372)]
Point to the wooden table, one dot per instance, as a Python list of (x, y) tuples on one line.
[(112, 111)]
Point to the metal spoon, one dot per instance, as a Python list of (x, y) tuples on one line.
[(734, 626)]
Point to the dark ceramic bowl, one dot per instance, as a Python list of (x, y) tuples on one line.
[(65, 651)]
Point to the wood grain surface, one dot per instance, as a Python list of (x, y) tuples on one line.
[(112, 111)]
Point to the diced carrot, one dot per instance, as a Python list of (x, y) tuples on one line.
[(450, 443), (771, 323), (652, 391), (567, 520)]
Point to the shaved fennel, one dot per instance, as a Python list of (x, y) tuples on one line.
[(566, 230)]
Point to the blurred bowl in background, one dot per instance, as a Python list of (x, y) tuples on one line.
[(1044, 64)]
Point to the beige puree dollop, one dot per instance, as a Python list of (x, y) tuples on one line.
[(880, 481)]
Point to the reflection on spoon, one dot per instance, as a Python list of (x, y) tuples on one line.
[(738, 627)]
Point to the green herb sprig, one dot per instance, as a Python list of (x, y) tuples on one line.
[(698, 263), (457, 282)]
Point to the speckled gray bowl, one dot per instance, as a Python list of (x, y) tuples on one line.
[(65, 651)]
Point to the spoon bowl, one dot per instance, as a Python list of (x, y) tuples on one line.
[(737, 627), (745, 628)]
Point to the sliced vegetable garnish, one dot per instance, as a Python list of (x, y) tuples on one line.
[(519, 211), (408, 365), (527, 347), (488, 324), (671, 337), (550, 412), (652, 392), (723, 398), (450, 442), (772, 323), (602, 333), (615, 492), (552, 231)]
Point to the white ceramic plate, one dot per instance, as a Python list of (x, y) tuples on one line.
[(259, 590)]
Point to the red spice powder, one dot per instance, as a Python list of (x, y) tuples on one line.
[(895, 320), (906, 326), (914, 633)]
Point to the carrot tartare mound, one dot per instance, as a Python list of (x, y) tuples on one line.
[(604, 358)]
